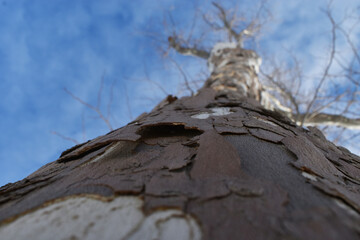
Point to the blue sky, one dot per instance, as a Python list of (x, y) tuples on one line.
[(46, 46)]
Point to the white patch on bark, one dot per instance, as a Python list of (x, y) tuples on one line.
[(223, 63), (210, 66), (217, 49), (85, 217), (348, 209), (266, 121), (270, 102), (220, 111), (201, 115), (309, 176), (243, 86), (215, 112), (255, 62), (171, 224)]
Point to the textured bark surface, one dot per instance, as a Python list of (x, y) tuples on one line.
[(217, 165), (234, 71), (243, 172)]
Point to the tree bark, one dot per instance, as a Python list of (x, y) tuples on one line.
[(217, 165)]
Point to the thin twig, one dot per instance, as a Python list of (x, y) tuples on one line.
[(64, 137), (95, 109), (128, 102), (186, 81), (111, 99), (98, 104), (327, 68)]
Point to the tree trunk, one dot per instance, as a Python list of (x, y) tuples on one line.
[(217, 165)]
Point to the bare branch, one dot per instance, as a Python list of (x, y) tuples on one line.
[(64, 137), (79, 100), (338, 138), (98, 104), (186, 81), (352, 138), (327, 68), (111, 98), (128, 103), (83, 129), (193, 51), (332, 120), (147, 78), (230, 21), (95, 109), (324, 106), (286, 92), (212, 25), (228, 25)]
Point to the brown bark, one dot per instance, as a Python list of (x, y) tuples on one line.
[(243, 172), (250, 174)]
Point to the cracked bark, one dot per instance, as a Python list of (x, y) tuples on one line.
[(217, 165)]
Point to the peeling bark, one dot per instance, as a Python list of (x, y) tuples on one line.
[(217, 165), (243, 175)]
